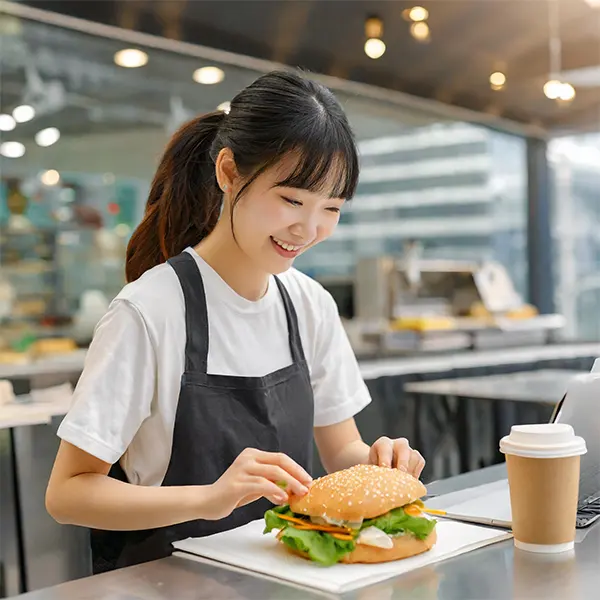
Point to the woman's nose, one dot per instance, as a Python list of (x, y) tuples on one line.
[(305, 229)]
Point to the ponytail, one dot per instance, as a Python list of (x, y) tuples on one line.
[(184, 201)]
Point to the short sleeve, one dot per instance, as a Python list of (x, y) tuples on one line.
[(115, 391), (339, 389)]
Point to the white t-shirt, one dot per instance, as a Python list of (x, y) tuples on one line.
[(126, 398)]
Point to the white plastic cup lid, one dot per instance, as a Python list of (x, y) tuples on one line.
[(547, 440)]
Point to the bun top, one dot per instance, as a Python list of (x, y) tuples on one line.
[(361, 492)]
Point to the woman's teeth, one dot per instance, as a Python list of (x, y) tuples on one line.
[(285, 246)]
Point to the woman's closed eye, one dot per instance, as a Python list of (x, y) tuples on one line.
[(292, 201)]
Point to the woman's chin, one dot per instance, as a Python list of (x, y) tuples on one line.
[(275, 264), (281, 268)]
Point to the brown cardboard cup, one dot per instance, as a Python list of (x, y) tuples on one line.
[(543, 477)]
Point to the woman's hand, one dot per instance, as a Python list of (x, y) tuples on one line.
[(256, 474), (397, 454)]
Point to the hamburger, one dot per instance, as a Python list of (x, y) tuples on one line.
[(365, 514)]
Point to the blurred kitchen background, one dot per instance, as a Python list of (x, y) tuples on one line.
[(471, 251)]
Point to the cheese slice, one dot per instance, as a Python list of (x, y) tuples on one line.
[(327, 521), (373, 536)]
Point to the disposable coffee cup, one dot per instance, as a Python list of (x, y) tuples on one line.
[(543, 463)]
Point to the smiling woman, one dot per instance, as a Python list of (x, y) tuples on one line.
[(218, 364)]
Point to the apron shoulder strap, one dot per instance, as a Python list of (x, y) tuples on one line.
[(292, 323), (196, 316)]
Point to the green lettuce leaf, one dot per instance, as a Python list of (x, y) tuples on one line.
[(321, 547), (272, 520), (396, 522)]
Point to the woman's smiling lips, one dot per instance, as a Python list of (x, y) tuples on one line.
[(286, 249)]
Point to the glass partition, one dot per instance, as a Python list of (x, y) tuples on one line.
[(67, 209), (456, 188), (575, 168)]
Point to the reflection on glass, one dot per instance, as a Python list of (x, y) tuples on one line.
[(456, 189), (575, 169)]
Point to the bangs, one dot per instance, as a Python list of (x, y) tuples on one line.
[(326, 163)]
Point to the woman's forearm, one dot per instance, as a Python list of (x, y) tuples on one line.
[(99, 502), (353, 453)]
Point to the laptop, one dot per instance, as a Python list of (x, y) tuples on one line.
[(580, 408)]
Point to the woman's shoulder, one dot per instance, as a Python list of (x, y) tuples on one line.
[(156, 295), (154, 284)]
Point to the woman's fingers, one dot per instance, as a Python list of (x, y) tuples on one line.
[(286, 463), (382, 452), (280, 477), (398, 454), (402, 454), (416, 464), (256, 487)]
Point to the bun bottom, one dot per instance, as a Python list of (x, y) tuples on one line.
[(404, 547)]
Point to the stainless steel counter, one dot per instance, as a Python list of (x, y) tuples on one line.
[(371, 368), (546, 386), (493, 573)]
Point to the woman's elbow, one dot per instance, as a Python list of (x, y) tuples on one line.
[(55, 505)]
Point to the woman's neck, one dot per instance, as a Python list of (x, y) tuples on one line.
[(222, 253)]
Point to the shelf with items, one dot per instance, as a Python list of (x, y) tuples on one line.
[(28, 264), (62, 253)]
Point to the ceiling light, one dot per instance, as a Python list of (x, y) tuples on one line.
[(7, 123), (47, 137), (23, 113), (418, 13), (567, 92), (131, 58), (594, 3), (12, 149), (225, 107), (374, 48), (553, 89), (497, 80), (559, 90), (420, 31), (374, 45), (50, 177), (208, 75)]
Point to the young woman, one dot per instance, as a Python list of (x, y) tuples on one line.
[(217, 364)]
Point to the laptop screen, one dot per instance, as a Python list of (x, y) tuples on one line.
[(580, 408)]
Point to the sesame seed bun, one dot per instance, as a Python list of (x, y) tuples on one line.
[(361, 492)]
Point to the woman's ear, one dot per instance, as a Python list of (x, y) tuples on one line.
[(226, 171)]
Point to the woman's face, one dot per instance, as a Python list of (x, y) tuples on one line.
[(273, 225)]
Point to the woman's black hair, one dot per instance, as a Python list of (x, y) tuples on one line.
[(280, 114)]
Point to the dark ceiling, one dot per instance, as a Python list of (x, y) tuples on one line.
[(469, 40)]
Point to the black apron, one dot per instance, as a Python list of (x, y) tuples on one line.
[(217, 417)]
